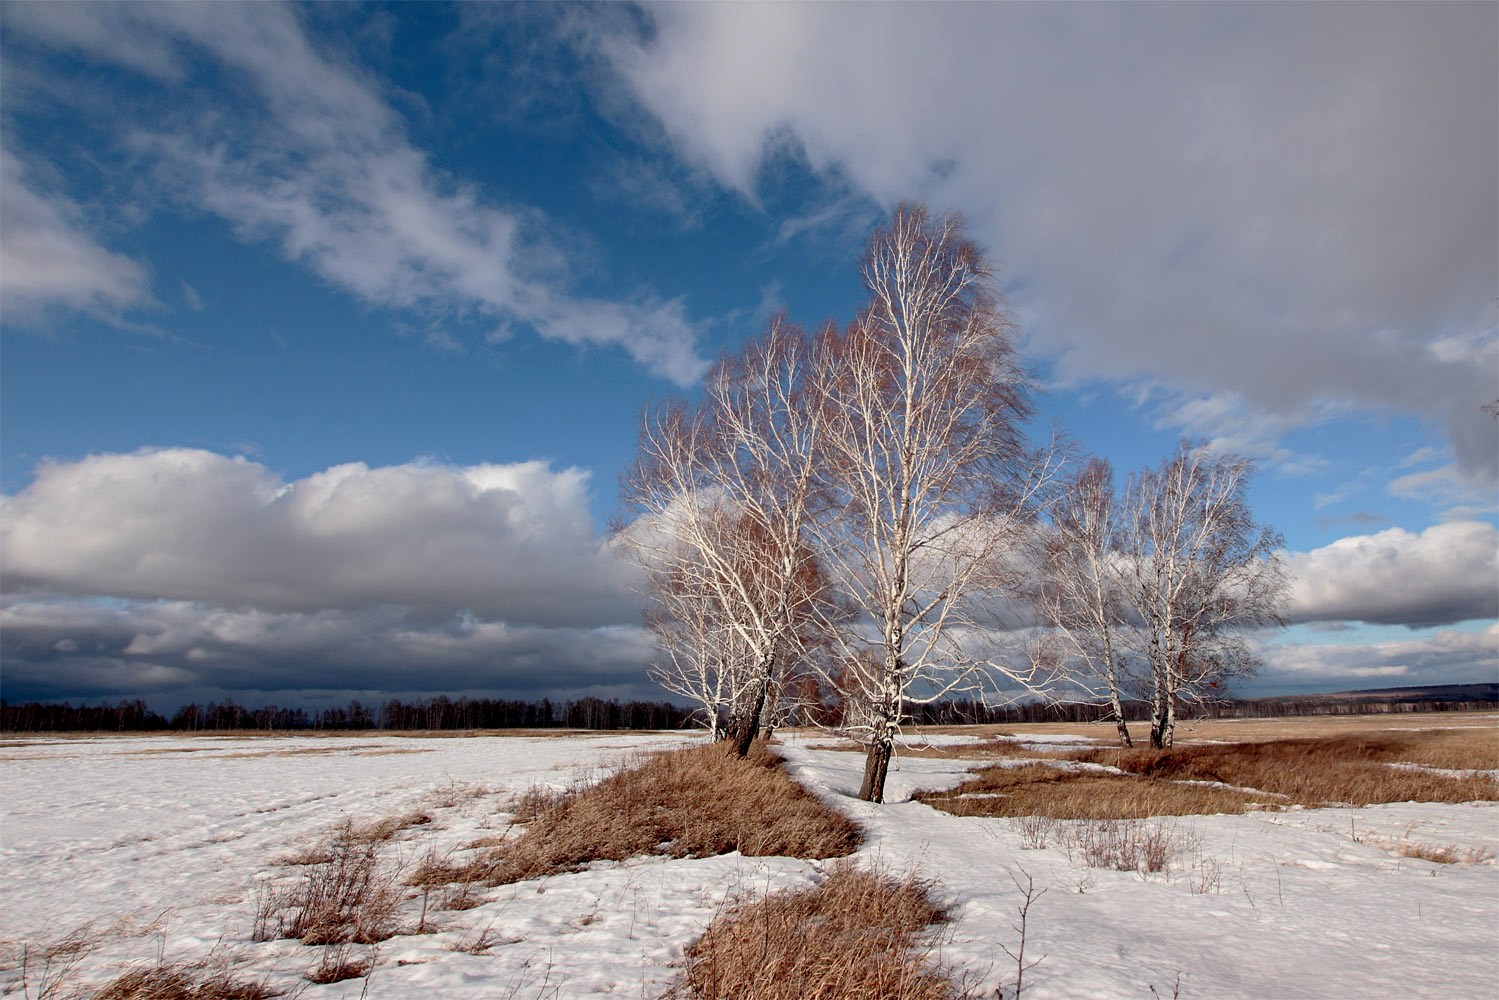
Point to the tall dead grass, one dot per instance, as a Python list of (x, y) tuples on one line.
[(1343, 770), (1190, 780), (857, 935), (696, 802), (1058, 793)]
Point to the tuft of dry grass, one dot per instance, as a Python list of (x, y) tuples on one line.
[(1342, 770), (1058, 793), (183, 981), (857, 935), (349, 896), (696, 802), (378, 831), (1443, 854), (339, 962)]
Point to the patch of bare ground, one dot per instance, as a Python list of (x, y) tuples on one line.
[(695, 802), (857, 934)]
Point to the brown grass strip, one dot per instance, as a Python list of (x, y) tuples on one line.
[(1044, 790), (1343, 770), (690, 803), (857, 935)]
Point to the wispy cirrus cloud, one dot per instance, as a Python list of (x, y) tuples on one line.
[(48, 258), (304, 151)]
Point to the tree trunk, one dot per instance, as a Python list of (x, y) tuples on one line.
[(1163, 723), (1124, 739), (748, 724), (1158, 728), (876, 766)]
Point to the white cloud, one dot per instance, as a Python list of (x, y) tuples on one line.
[(511, 543), (309, 155), (1293, 203), (48, 258), (1446, 574)]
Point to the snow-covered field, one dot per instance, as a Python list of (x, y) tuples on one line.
[(159, 843)]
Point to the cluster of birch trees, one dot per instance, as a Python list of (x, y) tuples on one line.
[(1150, 594), (851, 518)]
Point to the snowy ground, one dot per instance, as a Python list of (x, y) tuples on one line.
[(159, 843)]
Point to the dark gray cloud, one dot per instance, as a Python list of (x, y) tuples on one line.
[(1271, 211), (169, 652), (1443, 656)]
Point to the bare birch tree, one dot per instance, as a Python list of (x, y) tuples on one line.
[(1080, 593), (1201, 574), (925, 469), (720, 497)]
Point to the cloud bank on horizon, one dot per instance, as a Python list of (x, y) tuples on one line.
[(184, 570), (1272, 226)]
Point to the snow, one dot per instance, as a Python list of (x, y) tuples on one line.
[(160, 842)]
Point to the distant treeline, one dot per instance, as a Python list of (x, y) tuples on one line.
[(434, 713), (443, 713), (1453, 698)]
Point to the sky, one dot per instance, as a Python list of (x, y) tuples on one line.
[(325, 331)]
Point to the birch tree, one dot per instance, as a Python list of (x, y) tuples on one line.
[(719, 496), (1081, 588), (926, 472), (1202, 573)]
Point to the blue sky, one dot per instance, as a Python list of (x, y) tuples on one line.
[(326, 330)]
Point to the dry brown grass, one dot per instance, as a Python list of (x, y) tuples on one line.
[(1443, 854), (183, 981), (694, 803), (1340, 770), (1046, 790), (858, 935), (1455, 749), (347, 896)]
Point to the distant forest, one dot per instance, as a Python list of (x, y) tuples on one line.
[(443, 713)]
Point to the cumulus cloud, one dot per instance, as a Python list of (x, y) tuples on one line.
[(1292, 204), (48, 258), (176, 571), (1448, 573), (305, 152), (503, 542)]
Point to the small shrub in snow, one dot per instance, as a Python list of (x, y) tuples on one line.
[(348, 897)]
